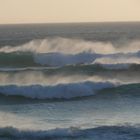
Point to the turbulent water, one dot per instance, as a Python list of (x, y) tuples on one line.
[(70, 81)]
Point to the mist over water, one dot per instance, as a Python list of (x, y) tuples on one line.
[(73, 46), (76, 81), (64, 51)]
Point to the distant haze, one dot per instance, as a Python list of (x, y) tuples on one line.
[(46, 11)]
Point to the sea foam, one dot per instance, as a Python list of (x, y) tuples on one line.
[(73, 46)]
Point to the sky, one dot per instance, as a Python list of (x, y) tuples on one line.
[(49, 11)]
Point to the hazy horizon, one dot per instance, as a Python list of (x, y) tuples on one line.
[(66, 11), (49, 23)]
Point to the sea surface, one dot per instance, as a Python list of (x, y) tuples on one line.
[(78, 81)]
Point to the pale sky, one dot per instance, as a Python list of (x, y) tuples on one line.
[(46, 11)]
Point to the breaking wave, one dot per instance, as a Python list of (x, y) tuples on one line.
[(63, 56), (98, 133), (57, 59), (60, 91), (61, 45), (54, 52), (60, 60), (72, 46)]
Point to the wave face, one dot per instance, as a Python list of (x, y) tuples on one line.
[(104, 133), (61, 91), (63, 51)]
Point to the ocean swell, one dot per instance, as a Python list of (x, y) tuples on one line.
[(60, 91)]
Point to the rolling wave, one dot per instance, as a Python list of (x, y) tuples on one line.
[(60, 91), (58, 52), (57, 59), (72, 90), (99, 133), (73, 46), (27, 60)]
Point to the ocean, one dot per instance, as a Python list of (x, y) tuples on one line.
[(76, 81)]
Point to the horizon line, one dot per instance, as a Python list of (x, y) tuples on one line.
[(90, 22)]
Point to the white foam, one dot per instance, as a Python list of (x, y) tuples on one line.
[(117, 60), (56, 52), (37, 77), (72, 46), (61, 45)]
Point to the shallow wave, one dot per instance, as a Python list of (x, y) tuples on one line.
[(60, 91), (98, 133)]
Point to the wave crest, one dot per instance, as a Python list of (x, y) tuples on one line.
[(61, 91), (72, 46), (63, 51)]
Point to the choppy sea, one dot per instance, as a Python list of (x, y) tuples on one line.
[(70, 81)]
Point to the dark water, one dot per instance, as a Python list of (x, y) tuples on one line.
[(70, 81)]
